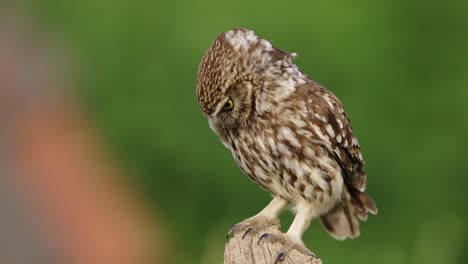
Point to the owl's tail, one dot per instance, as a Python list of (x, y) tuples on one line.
[(342, 221)]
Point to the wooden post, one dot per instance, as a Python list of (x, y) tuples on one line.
[(247, 251)]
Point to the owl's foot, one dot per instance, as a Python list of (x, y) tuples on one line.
[(253, 225), (288, 243)]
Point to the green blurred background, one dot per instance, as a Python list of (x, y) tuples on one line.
[(400, 68)]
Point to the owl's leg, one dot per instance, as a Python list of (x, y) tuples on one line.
[(293, 238), (300, 224), (267, 217)]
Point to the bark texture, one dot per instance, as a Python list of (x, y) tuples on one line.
[(246, 251)]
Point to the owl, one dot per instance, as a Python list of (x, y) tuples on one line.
[(288, 134)]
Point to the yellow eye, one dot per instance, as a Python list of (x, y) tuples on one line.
[(228, 105)]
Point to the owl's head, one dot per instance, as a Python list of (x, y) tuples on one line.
[(233, 72)]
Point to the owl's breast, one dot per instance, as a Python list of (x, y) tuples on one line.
[(254, 155), (284, 164)]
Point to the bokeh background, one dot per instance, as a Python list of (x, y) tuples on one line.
[(400, 68)]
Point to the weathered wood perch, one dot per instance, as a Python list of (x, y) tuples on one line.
[(246, 251)]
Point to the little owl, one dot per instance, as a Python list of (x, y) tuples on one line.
[(287, 133)]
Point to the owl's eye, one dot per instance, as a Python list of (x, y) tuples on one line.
[(228, 106)]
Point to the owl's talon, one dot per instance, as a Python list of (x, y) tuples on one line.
[(247, 231), (288, 245), (230, 232), (281, 256), (252, 226), (262, 237), (312, 254)]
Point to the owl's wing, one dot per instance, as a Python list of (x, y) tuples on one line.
[(333, 130), (327, 113)]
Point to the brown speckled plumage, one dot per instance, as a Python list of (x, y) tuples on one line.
[(286, 132)]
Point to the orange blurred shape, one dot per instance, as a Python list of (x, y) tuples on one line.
[(86, 212)]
